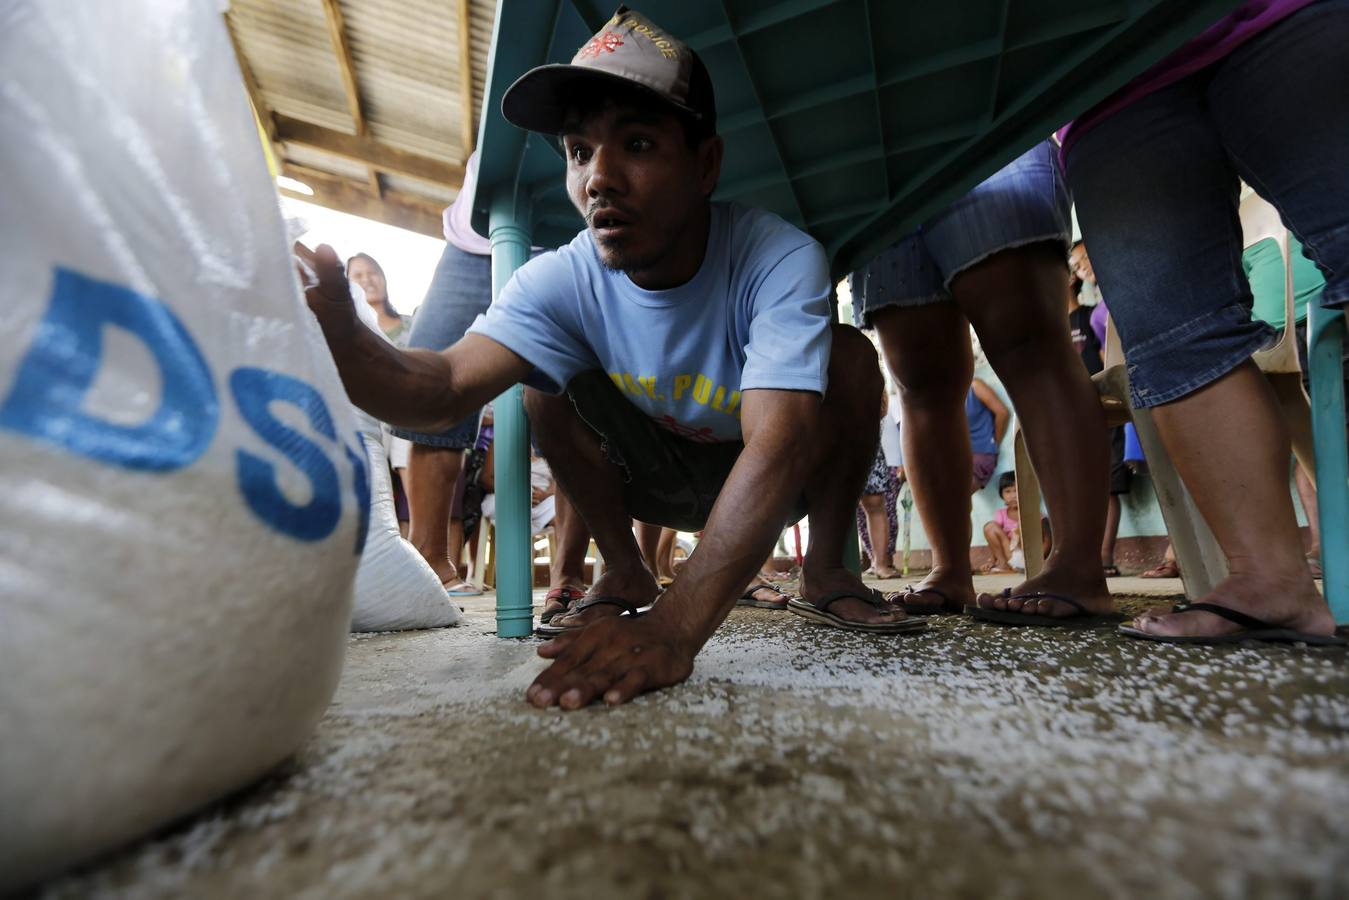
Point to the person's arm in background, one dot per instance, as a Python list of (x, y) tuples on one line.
[(418, 389), (1001, 415)]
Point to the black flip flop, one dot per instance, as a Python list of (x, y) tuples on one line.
[(629, 609), (1253, 630), (818, 611), (748, 599), (1083, 618), (914, 609)]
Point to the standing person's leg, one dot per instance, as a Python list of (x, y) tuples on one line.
[(1306, 494), (1121, 481), (566, 570), (1171, 268), (878, 532), (432, 474), (1013, 296), (648, 539), (928, 351), (665, 549), (460, 290)]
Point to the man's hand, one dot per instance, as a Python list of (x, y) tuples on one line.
[(325, 281), (614, 658)]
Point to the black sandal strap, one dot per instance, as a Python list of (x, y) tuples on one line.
[(626, 605), (872, 598), (1223, 612), (1046, 595)]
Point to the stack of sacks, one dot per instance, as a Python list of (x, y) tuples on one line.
[(184, 493)]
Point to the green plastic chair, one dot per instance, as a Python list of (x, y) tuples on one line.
[(1326, 337), (852, 119)]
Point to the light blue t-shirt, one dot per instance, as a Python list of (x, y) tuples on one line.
[(756, 315)]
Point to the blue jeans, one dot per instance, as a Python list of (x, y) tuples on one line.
[(460, 291), (1156, 187), (1024, 202)]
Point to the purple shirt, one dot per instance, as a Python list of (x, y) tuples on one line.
[(1098, 318), (1214, 43)]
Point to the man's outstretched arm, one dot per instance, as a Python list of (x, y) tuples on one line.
[(616, 658), (418, 389)]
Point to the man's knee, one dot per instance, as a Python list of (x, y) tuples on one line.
[(854, 370)]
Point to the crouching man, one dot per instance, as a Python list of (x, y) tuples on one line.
[(680, 364)]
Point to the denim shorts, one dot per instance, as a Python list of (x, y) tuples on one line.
[(460, 290), (1024, 202), (1156, 186)]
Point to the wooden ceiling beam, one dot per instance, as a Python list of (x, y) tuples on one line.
[(260, 107), (350, 196), (468, 133), (337, 31), (368, 150)]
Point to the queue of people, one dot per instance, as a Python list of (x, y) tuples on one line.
[(682, 368)]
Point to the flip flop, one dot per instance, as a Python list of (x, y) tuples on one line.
[(629, 609), (1162, 570), (462, 589), (915, 609), (568, 596), (1254, 630), (748, 598), (1111, 571), (818, 611), (1083, 618)]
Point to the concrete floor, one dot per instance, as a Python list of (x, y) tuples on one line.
[(970, 761)]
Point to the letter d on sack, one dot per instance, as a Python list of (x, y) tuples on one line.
[(55, 375)]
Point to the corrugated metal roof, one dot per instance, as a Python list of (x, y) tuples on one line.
[(405, 63)]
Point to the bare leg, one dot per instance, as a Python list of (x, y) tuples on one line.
[(432, 473), (1015, 301), (928, 350), (456, 542), (665, 548), (594, 487), (1112, 514), (648, 539), (846, 449), (1306, 492), (878, 526), (1000, 546), (1229, 444), (573, 539)]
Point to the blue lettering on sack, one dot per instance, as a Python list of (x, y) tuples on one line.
[(254, 391), (55, 375), (361, 477)]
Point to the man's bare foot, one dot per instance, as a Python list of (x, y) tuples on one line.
[(613, 659), (634, 584), (1289, 601), (925, 598), (826, 581), (1085, 584)]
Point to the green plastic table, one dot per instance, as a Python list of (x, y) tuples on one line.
[(852, 119)]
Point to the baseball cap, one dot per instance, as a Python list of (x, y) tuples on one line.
[(629, 51)]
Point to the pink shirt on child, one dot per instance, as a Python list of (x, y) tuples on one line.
[(1006, 522)]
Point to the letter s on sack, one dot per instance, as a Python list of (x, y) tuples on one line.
[(254, 391)]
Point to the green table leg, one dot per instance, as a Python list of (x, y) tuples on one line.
[(514, 541), (1326, 337)]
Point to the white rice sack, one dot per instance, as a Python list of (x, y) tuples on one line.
[(396, 589), (183, 491)]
